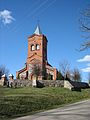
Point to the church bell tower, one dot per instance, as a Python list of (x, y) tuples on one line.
[(37, 50)]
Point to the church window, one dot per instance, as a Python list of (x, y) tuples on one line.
[(32, 47), (37, 47)]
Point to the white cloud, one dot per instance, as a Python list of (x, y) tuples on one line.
[(86, 69), (5, 17), (84, 59)]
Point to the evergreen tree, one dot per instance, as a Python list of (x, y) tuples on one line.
[(59, 76)]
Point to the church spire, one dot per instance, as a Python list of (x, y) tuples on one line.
[(38, 30)]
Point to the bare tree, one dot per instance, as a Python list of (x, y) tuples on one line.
[(3, 70), (85, 27), (76, 75), (89, 78), (64, 68), (68, 75), (36, 70)]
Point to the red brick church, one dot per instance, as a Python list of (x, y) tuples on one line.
[(37, 54)]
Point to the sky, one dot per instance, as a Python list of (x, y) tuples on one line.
[(59, 22)]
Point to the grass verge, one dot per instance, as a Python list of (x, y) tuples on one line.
[(23, 101)]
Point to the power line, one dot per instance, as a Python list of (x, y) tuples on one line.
[(49, 5), (29, 15), (26, 12)]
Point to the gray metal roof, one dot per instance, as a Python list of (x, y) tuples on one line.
[(38, 30)]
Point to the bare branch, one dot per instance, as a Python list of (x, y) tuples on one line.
[(85, 45), (76, 75), (85, 27), (3, 70), (64, 68), (36, 70)]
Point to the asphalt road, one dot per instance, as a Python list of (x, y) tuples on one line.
[(76, 111)]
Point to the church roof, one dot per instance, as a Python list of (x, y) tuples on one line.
[(10, 75), (3, 75), (38, 30)]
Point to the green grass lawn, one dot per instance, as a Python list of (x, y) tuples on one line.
[(23, 101)]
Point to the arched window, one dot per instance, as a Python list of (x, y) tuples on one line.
[(37, 47), (32, 47)]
